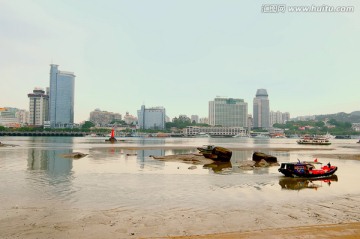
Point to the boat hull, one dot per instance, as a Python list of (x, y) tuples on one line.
[(293, 173)]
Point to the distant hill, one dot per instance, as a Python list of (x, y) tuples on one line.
[(353, 117)]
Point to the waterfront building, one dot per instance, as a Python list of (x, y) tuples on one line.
[(261, 109), (62, 91), (228, 112), (102, 118), (191, 131), (151, 118), (38, 107)]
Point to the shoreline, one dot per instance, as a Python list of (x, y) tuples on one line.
[(349, 230)]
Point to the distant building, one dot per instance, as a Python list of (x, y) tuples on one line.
[(151, 118), (214, 131), (62, 92), (23, 117), (261, 109), (194, 118), (204, 120), (228, 112), (8, 117), (38, 107), (278, 117), (129, 119), (102, 118), (305, 118)]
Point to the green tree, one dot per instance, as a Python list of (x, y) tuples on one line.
[(87, 125)]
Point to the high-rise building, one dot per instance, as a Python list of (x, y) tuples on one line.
[(261, 109), (151, 118), (62, 90), (38, 107), (228, 112)]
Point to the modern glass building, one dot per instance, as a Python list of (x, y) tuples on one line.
[(228, 112), (62, 90), (261, 110), (151, 118), (38, 107)]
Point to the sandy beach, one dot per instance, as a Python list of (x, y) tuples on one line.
[(326, 219)]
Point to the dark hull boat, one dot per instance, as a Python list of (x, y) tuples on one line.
[(306, 170)]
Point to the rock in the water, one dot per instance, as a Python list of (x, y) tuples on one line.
[(75, 155), (258, 156), (219, 154)]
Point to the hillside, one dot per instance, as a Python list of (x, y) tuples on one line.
[(353, 117)]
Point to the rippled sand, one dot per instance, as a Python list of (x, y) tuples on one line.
[(322, 219)]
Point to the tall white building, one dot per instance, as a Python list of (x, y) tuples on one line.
[(151, 118), (261, 109), (38, 107), (228, 112)]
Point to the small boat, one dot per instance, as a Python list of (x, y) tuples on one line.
[(314, 140), (306, 169)]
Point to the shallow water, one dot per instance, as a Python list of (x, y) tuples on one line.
[(35, 174)]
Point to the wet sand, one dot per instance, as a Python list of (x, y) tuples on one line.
[(338, 218)]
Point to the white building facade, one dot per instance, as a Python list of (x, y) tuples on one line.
[(38, 107), (228, 112)]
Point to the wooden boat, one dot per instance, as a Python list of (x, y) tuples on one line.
[(306, 169), (314, 140)]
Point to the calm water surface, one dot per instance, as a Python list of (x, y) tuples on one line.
[(35, 174)]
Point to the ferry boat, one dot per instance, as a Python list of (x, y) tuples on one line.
[(307, 169), (314, 140)]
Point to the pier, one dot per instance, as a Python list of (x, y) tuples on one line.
[(42, 133)]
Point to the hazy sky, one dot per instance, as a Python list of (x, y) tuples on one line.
[(181, 54)]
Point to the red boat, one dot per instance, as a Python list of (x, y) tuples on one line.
[(307, 169)]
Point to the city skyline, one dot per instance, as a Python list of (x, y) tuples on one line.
[(181, 55)]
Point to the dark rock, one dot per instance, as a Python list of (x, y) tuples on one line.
[(258, 156), (219, 154)]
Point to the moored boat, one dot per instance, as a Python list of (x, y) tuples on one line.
[(306, 169), (314, 140)]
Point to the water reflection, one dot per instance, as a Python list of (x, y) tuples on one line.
[(302, 183), (219, 167), (143, 155), (49, 160)]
